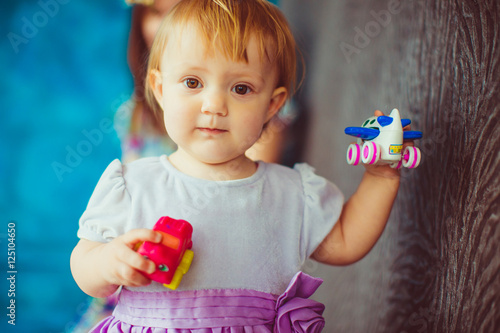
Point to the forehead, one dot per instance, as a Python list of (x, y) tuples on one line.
[(190, 43)]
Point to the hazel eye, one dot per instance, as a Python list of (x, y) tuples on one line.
[(192, 83), (242, 89)]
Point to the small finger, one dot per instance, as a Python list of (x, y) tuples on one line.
[(140, 235), (142, 264), (378, 113), (132, 277), (140, 280), (407, 143), (137, 261)]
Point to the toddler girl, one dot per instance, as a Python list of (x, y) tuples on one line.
[(220, 70)]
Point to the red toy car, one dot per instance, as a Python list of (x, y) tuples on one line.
[(173, 255)]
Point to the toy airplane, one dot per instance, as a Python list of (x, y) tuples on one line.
[(380, 141)]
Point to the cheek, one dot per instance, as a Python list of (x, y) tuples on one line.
[(178, 116), (255, 121), (174, 122), (251, 127)]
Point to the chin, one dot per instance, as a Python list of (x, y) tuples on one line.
[(214, 161), (217, 159)]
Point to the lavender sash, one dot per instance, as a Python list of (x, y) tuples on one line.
[(219, 310)]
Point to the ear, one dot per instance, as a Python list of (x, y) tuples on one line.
[(278, 99), (155, 82)]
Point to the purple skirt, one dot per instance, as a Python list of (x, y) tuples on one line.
[(219, 310)]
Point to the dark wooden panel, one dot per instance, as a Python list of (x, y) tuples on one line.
[(437, 266), (449, 211)]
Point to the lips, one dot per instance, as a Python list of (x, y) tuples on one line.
[(213, 131)]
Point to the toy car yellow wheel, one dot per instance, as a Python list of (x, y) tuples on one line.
[(411, 157), (370, 153), (353, 154), (186, 261), (181, 270)]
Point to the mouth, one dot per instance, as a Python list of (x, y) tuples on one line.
[(209, 130)]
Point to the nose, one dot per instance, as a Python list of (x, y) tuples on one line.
[(214, 103)]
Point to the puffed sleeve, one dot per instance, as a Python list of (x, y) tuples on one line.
[(323, 205), (108, 209)]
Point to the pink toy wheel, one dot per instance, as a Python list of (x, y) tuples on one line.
[(353, 154), (411, 157), (371, 153)]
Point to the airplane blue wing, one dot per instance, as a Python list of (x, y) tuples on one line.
[(412, 135), (405, 122), (362, 132)]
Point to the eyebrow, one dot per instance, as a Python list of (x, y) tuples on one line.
[(253, 75), (187, 67), (248, 73)]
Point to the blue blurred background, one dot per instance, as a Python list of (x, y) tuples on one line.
[(64, 73)]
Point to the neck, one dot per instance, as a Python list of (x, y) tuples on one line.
[(237, 168)]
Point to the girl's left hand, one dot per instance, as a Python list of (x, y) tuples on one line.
[(385, 170)]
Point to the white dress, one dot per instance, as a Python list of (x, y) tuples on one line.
[(253, 233)]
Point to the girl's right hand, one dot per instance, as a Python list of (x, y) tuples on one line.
[(121, 265)]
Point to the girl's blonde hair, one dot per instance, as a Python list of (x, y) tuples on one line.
[(227, 26)]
